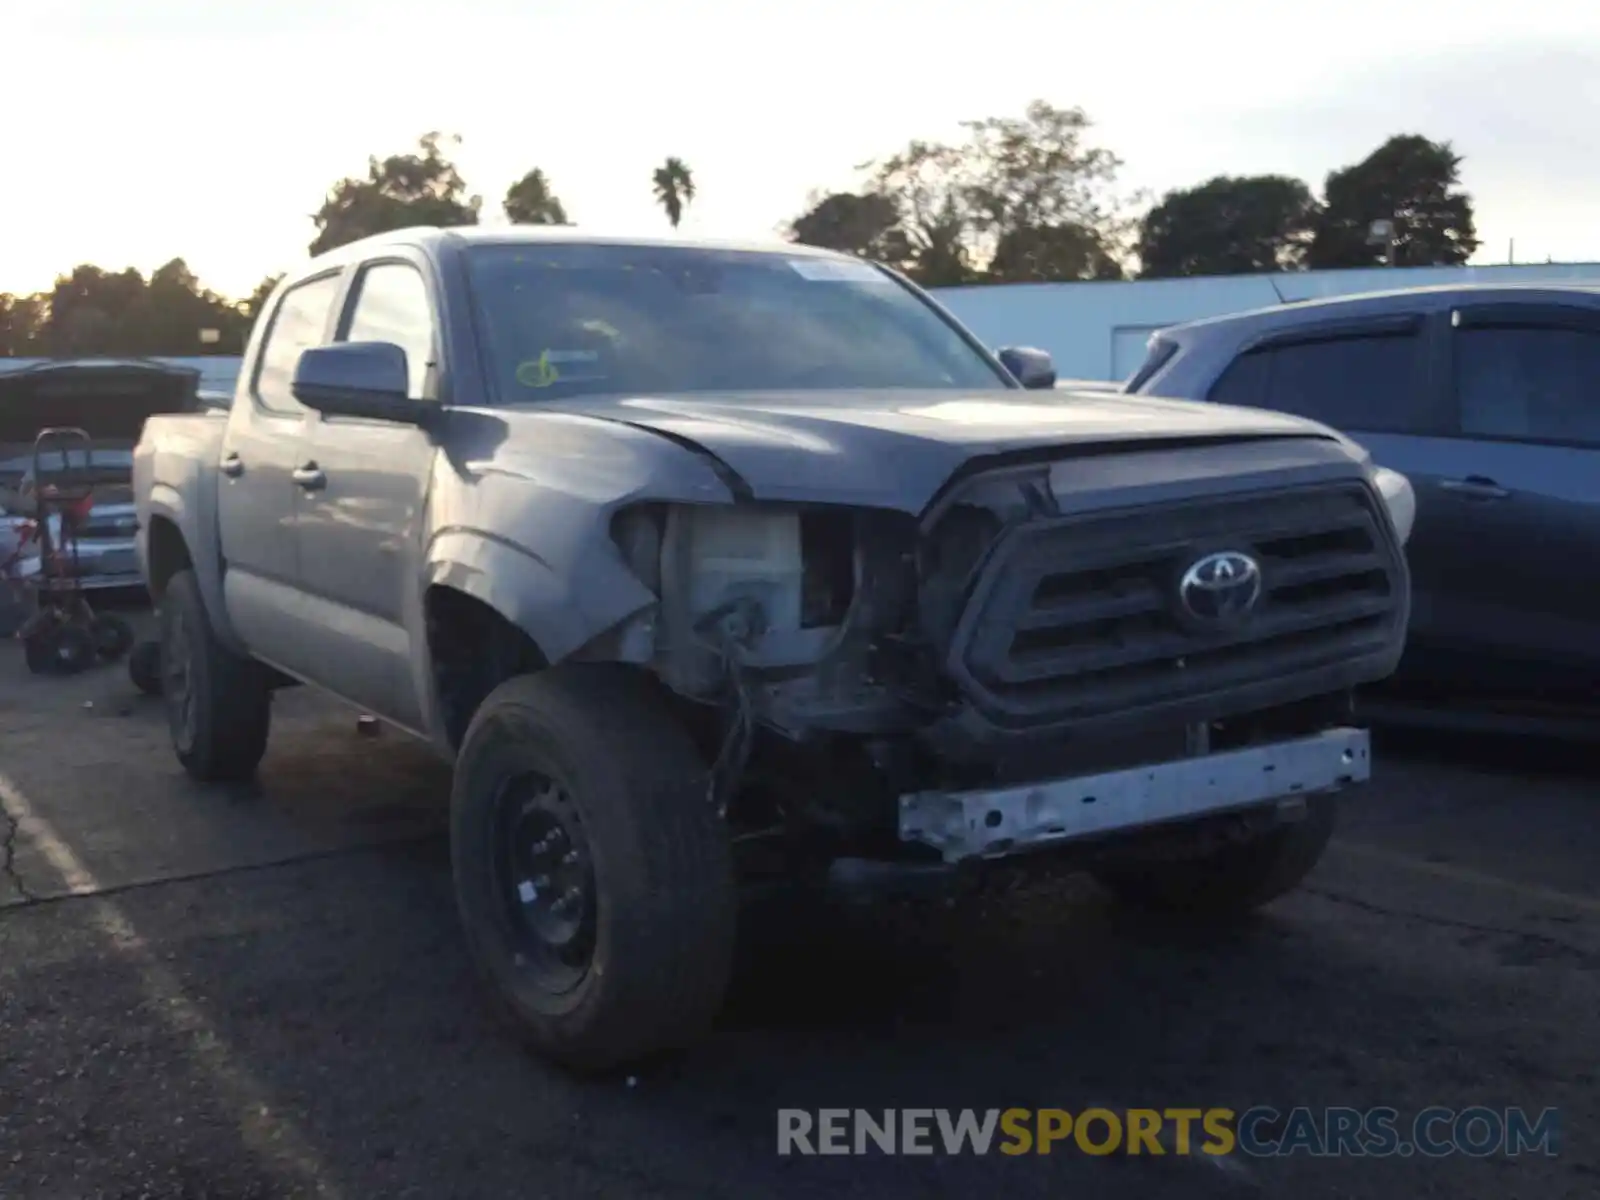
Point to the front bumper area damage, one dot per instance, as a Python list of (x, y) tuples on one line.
[(994, 823)]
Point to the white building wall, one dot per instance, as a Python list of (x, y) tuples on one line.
[(1099, 330)]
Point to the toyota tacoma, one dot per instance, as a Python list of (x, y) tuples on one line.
[(706, 563)]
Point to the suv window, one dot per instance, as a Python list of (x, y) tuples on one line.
[(1367, 382), (297, 326), (1529, 382), (392, 306)]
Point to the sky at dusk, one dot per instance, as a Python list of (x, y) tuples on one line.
[(212, 130)]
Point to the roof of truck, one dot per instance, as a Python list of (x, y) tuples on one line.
[(431, 235)]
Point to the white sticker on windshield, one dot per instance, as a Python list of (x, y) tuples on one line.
[(833, 270)]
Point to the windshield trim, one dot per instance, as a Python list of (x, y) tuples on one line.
[(490, 383)]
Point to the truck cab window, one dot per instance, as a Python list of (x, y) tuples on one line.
[(298, 325), (1542, 384), (392, 306)]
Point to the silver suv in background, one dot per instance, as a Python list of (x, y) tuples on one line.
[(1488, 399)]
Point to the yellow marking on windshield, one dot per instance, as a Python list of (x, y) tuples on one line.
[(538, 372)]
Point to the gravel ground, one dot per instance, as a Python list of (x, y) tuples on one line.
[(261, 992)]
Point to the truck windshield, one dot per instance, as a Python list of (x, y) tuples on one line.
[(575, 319)]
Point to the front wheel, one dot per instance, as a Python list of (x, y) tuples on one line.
[(1233, 880), (592, 871)]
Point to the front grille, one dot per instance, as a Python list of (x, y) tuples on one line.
[(1079, 617)]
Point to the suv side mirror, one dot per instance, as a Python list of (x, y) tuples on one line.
[(1031, 368), (357, 379)]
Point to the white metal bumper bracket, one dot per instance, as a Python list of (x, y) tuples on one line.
[(993, 823)]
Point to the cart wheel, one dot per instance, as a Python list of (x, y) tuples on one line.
[(60, 650), (144, 668), (39, 648), (113, 637)]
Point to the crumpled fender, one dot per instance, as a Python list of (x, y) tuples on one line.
[(560, 610)]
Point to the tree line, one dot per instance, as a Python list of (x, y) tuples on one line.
[(1011, 200)]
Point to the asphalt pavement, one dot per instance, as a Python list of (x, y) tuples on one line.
[(261, 992)]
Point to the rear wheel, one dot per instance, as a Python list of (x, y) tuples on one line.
[(144, 668), (219, 707), (592, 872), (1233, 880)]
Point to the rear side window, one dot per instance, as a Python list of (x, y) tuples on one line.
[(1539, 384), (1367, 382), (298, 325)]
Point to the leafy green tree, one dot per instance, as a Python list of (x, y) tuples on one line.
[(530, 201), (420, 188), (1048, 253), (252, 305), (1229, 225), (176, 307), (927, 185), (1024, 198), (673, 184), (22, 325), (1408, 180), (97, 312), (866, 225)]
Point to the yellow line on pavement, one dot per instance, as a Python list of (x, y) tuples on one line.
[(1466, 875)]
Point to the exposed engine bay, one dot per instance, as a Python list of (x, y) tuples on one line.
[(1039, 619)]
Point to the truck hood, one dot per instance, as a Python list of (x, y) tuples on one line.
[(897, 448)]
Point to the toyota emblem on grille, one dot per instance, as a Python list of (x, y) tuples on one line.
[(1220, 587)]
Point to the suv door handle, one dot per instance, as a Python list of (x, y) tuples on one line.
[(310, 477), (232, 466), (1476, 487)]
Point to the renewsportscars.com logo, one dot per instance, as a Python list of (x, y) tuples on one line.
[(1259, 1132)]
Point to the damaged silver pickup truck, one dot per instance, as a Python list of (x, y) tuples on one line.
[(706, 562)]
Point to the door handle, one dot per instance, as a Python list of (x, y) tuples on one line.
[(1476, 487), (232, 466), (310, 477)]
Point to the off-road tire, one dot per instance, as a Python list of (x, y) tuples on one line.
[(664, 894), (1234, 880), (222, 737)]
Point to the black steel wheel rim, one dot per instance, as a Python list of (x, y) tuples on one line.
[(177, 681), (544, 882)]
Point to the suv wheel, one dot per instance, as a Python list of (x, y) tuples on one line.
[(592, 872)]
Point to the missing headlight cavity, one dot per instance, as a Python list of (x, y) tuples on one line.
[(827, 545)]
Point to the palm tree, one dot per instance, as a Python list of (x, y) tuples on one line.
[(674, 188)]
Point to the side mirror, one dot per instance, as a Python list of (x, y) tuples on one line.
[(1029, 367), (357, 379)]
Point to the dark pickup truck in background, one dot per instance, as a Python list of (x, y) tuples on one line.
[(109, 399), (1488, 399)]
